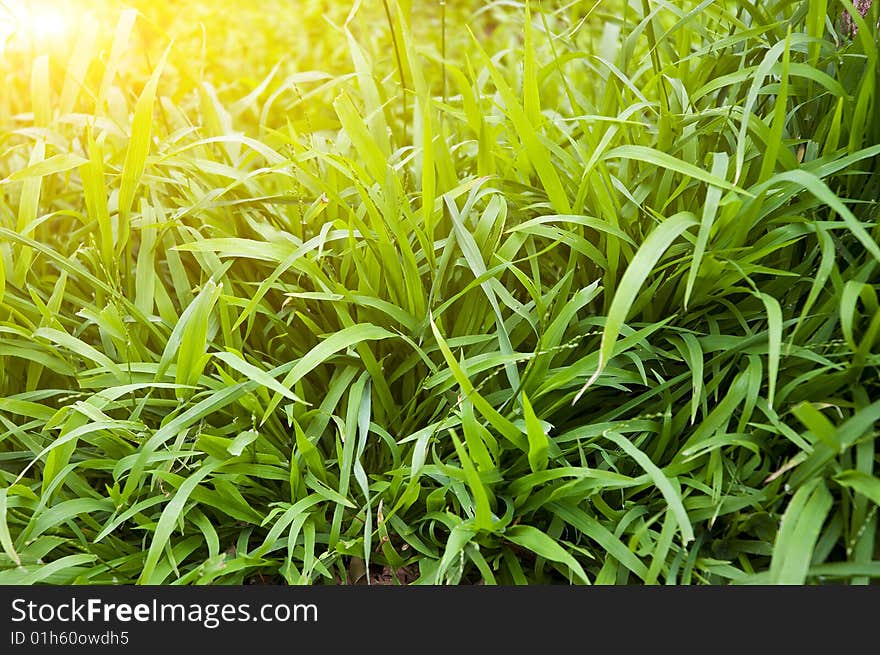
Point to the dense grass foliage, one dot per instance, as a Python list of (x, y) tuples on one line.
[(445, 293)]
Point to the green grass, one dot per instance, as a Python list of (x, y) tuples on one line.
[(469, 293)]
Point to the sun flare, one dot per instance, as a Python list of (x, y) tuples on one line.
[(37, 20)]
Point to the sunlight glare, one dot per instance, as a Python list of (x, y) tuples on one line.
[(7, 22), (39, 20)]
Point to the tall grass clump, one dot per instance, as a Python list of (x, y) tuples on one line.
[(504, 293)]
